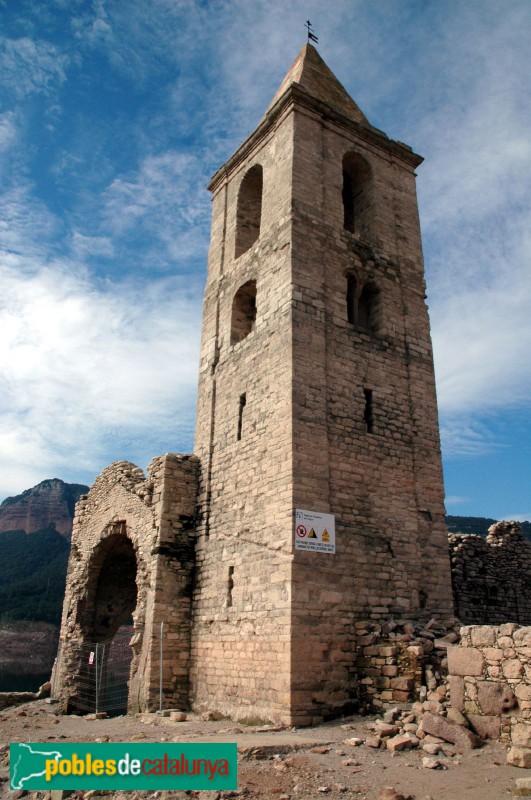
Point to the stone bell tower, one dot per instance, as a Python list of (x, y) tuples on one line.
[(316, 392)]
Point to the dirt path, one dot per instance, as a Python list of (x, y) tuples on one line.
[(288, 764)]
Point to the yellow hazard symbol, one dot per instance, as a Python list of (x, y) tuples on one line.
[(312, 534), (326, 536)]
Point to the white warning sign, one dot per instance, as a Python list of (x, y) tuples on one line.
[(315, 531)]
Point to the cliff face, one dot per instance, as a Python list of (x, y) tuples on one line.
[(50, 502), (27, 648)]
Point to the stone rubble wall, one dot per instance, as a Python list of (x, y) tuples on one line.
[(491, 578), (489, 676), (8, 699), (400, 662)]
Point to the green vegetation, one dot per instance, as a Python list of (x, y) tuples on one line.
[(33, 575), (479, 525)]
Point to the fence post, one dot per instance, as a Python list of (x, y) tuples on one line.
[(161, 658), (97, 686), (100, 660)]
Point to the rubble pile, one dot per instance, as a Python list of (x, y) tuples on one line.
[(399, 662)]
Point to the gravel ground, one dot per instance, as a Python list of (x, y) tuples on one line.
[(288, 764)]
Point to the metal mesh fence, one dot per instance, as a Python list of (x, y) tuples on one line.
[(102, 673)]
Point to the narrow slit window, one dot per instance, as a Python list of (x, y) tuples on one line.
[(368, 412), (243, 401), (230, 586)]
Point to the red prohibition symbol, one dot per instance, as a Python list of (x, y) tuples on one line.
[(301, 531)]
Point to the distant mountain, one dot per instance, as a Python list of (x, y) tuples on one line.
[(51, 502), (479, 525), (33, 575), (34, 566)]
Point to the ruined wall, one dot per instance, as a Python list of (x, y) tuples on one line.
[(490, 682), (132, 554), (491, 578)]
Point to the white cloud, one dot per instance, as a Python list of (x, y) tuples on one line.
[(517, 517), (482, 342), (30, 66), (447, 80), (475, 191), (8, 130), (164, 198), (87, 368), (26, 224), (466, 435), (91, 246), (455, 500)]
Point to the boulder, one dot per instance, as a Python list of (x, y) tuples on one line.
[(486, 727), (495, 698), (431, 763), (519, 757), (483, 635), (457, 692), (521, 734), (388, 793), (450, 731), (386, 730), (398, 743), (455, 716), (465, 661)]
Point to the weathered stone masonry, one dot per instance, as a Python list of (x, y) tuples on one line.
[(142, 529), (491, 578), (490, 681), (316, 391)]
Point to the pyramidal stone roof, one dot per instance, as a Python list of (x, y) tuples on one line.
[(311, 73), (310, 78)]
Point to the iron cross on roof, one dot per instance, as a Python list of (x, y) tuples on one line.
[(311, 35)]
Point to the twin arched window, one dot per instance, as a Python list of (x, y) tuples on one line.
[(363, 304)]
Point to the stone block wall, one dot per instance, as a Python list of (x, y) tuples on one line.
[(240, 657), (491, 578), (489, 676)]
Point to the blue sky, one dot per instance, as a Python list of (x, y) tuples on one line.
[(114, 116)]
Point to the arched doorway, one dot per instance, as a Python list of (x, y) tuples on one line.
[(115, 591), (109, 626)]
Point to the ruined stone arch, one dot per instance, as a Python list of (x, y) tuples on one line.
[(364, 302), (115, 585), (130, 561)]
